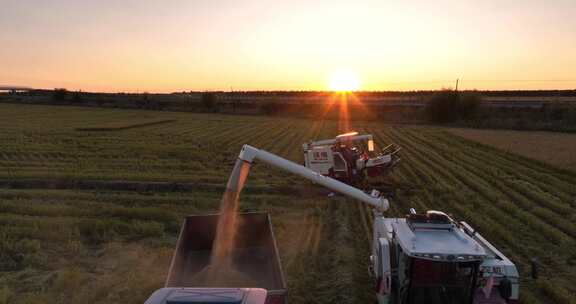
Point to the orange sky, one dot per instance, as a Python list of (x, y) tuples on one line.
[(164, 46)]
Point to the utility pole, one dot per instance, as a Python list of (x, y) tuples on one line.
[(457, 80)]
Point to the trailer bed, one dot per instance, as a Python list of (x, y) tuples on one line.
[(255, 261)]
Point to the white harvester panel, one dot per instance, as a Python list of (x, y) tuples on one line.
[(320, 158), (383, 268)]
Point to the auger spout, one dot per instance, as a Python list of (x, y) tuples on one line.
[(249, 154)]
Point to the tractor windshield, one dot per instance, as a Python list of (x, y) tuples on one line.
[(441, 282)]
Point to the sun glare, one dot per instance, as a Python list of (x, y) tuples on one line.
[(343, 81)]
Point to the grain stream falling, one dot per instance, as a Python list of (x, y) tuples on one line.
[(221, 268)]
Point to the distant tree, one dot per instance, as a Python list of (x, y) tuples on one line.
[(161, 105), (144, 101), (77, 97), (59, 94), (208, 100), (449, 106), (468, 105), (271, 108), (571, 116), (442, 107)]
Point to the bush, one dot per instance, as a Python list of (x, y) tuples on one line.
[(271, 108), (208, 100), (450, 106), (59, 94), (468, 106), (77, 97)]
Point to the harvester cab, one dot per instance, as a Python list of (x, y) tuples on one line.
[(429, 258), (349, 157)]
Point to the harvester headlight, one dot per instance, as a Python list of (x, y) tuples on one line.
[(371, 145)]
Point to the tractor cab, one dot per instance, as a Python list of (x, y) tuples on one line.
[(353, 151), (429, 258), (438, 263)]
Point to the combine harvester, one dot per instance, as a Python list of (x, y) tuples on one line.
[(420, 259), (349, 157)]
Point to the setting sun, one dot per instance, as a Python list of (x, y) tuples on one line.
[(343, 81)]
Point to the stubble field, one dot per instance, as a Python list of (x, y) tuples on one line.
[(558, 149), (71, 231)]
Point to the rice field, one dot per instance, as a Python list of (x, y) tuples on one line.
[(558, 149), (104, 244)]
